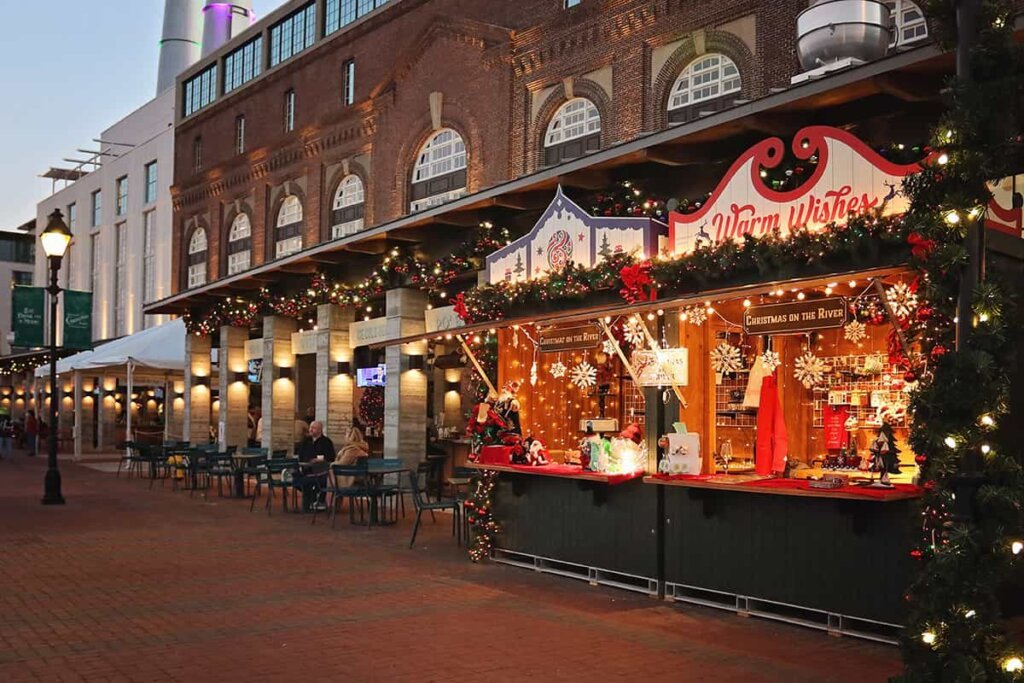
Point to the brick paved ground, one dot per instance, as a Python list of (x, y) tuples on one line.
[(130, 584)]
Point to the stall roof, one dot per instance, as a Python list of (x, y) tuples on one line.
[(622, 308), (907, 76), (159, 348)]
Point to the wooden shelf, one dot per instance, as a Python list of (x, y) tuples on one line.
[(544, 472), (738, 486)]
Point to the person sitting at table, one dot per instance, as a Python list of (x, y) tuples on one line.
[(355, 447), (315, 448)]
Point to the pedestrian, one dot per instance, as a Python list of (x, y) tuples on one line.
[(31, 432), (6, 434), (253, 421), (310, 415)]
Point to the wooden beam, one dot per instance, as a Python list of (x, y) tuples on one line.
[(524, 201), (586, 179), (908, 87)]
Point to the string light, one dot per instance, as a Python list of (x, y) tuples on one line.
[(1016, 547), (1013, 665), (950, 441), (929, 637)]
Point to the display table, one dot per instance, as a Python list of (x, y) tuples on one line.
[(560, 470), (786, 487)]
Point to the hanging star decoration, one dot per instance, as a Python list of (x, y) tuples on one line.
[(558, 370), (696, 315), (771, 360), (584, 375), (810, 370), (855, 332), (725, 358), (902, 299), (633, 331)]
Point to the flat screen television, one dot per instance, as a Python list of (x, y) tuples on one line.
[(255, 370), (371, 377)]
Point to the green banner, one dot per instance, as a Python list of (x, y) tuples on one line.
[(77, 319), (28, 304)]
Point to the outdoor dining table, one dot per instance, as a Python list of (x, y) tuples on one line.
[(241, 461), (375, 481)]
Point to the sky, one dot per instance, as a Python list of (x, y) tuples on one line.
[(68, 70)]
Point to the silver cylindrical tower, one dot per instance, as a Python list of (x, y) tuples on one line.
[(179, 46), (224, 20)]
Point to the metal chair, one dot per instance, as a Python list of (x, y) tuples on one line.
[(421, 503), (357, 491), (273, 475), (126, 448)]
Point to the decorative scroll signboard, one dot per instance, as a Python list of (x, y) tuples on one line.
[(566, 234), (796, 317), (554, 339), (850, 179)]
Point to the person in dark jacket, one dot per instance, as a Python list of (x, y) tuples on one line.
[(318, 449)]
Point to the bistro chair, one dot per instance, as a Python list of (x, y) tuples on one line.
[(127, 449), (422, 503), (274, 477), (389, 492), (222, 466), (356, 492), (252, 467)]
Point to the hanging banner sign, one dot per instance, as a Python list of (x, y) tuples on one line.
[(443, 319), (77, 319), (27, 306), (565, 234), (662, 368), (554, 339), (304, 342), (796, 317), (849, 179)]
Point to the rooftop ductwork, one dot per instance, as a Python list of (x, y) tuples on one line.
[(222, 21), (833, 34)]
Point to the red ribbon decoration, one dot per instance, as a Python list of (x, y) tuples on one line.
[(461, 310), (637, 283), (920, 248)]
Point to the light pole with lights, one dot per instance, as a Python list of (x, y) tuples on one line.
[(55, 239)]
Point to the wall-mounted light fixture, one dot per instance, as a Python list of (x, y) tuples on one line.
[(343, 367), (417, 362), (203, 381), (284, 373), (240, 376), (453, 386)]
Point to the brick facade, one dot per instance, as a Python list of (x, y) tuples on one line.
[(499, 71)]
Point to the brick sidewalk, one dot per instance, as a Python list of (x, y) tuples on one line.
[(130, 584)]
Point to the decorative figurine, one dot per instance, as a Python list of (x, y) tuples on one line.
[(507, 406)]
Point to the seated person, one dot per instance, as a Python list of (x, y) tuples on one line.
[(355, 447), (315, 448)]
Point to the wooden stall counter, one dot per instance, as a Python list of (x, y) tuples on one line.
[(786, 487), (561, 471)]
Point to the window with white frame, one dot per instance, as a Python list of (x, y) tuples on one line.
[(120, 280), (239, 244), (148, 256), (121, 185), (349, 204), (240, 134), (570, 3), (576, 118), (704, 79), (907, 22), (289, 227), (289, 111), (439, 175), (197, 258)]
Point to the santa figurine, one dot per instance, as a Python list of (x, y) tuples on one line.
[(507, 406), (486, 425), (536, 453), (884, 450)]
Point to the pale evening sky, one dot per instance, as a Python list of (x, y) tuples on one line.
[(68, 70)]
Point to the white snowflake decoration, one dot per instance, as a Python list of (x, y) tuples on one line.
[(608, 347), (902, 299), (533, 374), (584, 375), (558, 370), (771, 360), (855, 332), (725, 358), (810, 370), (633, 331), (696, 315)]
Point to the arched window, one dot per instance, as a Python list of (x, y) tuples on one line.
[(575, 130), (439, 175), (289, 227), (907, 22), (239, 244), (705, 81), (349, 202), (197, 258)]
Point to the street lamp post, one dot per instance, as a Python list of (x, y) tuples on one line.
[(55, 239)]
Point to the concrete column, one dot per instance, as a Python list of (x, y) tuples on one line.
[(107, 435), (405, 396), (197, 393), (174, 410), (77, 429), (334, 391), (278, 394), (67, 407), (233, 419)]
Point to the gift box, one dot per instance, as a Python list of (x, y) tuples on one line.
[(495, 455)]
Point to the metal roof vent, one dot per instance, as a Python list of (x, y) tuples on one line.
[(836, 34)]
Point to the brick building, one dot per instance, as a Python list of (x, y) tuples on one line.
[(333, 130)]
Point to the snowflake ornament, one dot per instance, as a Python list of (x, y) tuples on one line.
[(696, 315), (771, 361), (608, 347), (533, 374), (558, 370), (633, 331), (855, 332), (902, 299), (810, 370), (725, 358), (584, 375)]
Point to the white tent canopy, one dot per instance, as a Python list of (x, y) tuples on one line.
[(160, 348)]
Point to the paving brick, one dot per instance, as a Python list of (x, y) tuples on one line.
[(128, 584)]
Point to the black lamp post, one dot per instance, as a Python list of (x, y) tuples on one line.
[(55, 239)]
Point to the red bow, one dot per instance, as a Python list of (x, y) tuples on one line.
[(461, 310), (920, 247), (637, 283)]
